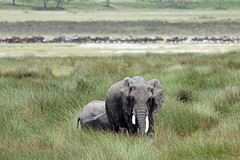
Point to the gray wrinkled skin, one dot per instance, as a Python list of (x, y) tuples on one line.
[(93, 115), (133, 96)]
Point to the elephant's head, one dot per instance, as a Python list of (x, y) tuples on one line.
[(141, 99)]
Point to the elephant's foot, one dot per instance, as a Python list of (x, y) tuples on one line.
[(132, 131)]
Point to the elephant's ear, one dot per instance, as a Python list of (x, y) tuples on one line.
[(124, 93), (158, 96), (126, 86)]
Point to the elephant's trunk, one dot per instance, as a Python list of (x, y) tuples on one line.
[(143, 121)]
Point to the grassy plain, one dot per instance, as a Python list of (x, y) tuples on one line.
[(170, 15), (40, 97), (101, 49), (120, 22)]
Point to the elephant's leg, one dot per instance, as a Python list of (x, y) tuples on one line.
[(132, 129), (112, 111), (113, 125), (116, 129), (151, 126)]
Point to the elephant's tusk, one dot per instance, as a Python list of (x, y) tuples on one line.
[(147, 124), (133, 119)]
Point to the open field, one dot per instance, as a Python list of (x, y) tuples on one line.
[(170, 15), (40, 97), (136, 22), (118, 29), (43, 86), (92, 49)]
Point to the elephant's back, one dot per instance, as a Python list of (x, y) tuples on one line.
[(92, 109), (114, 90), (97, 108)]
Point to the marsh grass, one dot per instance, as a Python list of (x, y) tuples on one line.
[(199, 119), (41, 73)]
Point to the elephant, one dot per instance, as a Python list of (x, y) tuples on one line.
[(93, 115), (131, 103)]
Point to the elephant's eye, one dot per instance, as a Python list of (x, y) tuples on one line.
[(150, 89), (132, 88), (130, 99)]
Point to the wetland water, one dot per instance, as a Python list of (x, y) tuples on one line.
[(101, 49)]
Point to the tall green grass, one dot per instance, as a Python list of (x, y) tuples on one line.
[(199, 119)]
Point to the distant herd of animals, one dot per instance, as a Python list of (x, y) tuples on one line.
[(130, 39), (130, 106)]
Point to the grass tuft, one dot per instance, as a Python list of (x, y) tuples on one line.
[(43, 73), (185, 96), (227, 100)]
